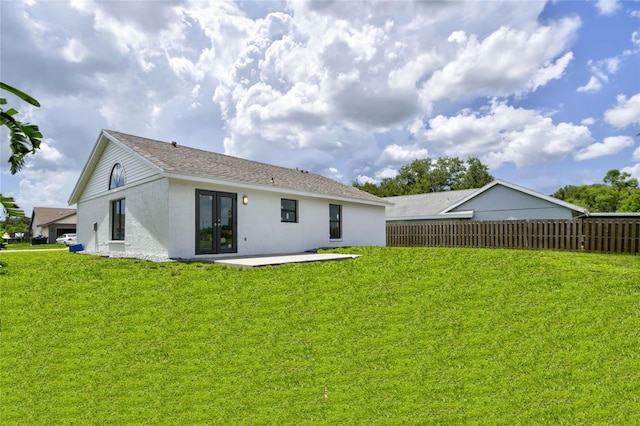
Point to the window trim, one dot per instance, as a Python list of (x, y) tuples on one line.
[(117, 176), (332, 221), (118, 219), (294, 211)]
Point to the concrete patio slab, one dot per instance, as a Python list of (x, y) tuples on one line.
[(256, 261)]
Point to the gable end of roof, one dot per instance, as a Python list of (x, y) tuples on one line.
[(516, 188)]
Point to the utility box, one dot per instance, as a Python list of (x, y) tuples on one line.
[(76, 248)]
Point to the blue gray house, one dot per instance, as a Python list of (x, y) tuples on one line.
[(498, 200)]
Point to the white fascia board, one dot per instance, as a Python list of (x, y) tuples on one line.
[(614, 215), (440, 216), (271, 188)]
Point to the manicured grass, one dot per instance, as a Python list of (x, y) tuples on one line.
[(398, 336), (28, 246)]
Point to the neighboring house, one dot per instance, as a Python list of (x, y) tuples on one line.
[(51, 222), (498, 200), (142, 196)]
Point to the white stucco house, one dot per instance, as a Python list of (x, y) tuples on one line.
[(498, 200), (143, 196)]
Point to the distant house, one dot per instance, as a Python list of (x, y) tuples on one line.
[(51, 222), (498, 200), (142, 196)]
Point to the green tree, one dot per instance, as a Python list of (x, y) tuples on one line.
[(619, 193), (11, 225), (426, 175), (476, 176), (24, 139)]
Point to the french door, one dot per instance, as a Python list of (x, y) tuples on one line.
[(216, 222)]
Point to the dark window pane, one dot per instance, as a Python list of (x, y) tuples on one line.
[(117, 219), (205, 234), (226, 222), (335, 221), (335, 230), (289, 210)]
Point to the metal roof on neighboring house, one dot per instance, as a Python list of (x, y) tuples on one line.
[(176, 160)]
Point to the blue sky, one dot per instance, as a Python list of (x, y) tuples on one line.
[(546, 94)]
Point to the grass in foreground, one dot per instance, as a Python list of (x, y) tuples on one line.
[(398, 336)]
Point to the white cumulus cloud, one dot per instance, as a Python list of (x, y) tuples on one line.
[(593, 86), (610, 145), (626, 112), (607, 7), (634, 170), (502, 134), (509, 61), (395, 154)]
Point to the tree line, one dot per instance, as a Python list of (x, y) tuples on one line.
[(426, 175), (619, 192)]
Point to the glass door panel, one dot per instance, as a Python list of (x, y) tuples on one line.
[(216, 222), (205, 228), (226, 223)]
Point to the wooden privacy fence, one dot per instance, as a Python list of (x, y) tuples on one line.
[(593, 235)]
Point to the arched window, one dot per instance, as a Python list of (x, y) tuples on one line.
[(117, 176)]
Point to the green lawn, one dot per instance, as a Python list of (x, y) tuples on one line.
[(29, 246), (398, 336)]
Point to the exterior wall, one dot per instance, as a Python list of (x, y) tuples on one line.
[(36, 228), (146, 219), (502, 203), (260, 230)]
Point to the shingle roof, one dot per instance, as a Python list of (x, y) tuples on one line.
[(48, 215), (420, 205), (183, 160)]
